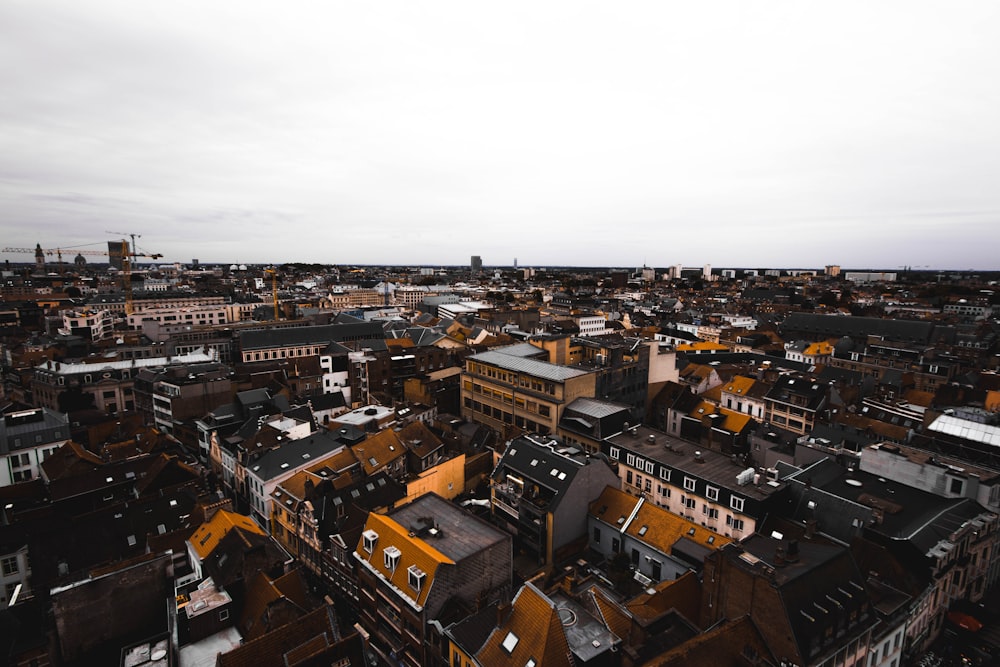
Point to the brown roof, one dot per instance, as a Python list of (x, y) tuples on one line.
[(532, 630), (732, 644), (262, 592), (378, 451), (270, 648), (682, 594)]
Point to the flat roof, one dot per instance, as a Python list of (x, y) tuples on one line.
[(541, 369)]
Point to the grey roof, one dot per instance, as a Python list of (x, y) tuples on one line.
[(294, 453), (268, 338), (542, 369), (460, 535), (841, 325)]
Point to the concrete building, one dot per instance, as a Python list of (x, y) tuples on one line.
[(27, 438)]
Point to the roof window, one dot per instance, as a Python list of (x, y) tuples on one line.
[(509, 642)]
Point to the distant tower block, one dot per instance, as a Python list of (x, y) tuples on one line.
[(706, 273), (477, 264), (39, 258), (515, 263), (832, 270)]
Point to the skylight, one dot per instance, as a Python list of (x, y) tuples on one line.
[(509, 642)]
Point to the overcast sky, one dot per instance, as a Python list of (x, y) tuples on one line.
[(794, 134)]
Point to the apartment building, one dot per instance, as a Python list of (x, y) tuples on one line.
[(794, 403), (712, 489), (422, 563), (28, 437), (539, 491)]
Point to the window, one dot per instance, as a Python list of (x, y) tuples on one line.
[(712, 492), (415, 577), (689, 483), (956, 486), (613, 453), (713, 513), (649, 467), (369, 538), (690, 503), (390, 557), (9, 566), (510, 642), (223, 614), (736, 503), (597, 535)]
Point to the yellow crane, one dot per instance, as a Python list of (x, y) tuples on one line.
[(126, 264)]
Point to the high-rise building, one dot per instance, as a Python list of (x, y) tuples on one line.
[(477, 264)]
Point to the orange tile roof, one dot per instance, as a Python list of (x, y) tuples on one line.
[(413, 552), (820, 348), (532, 630), (682, 594), (613, 506), (740, 384), (378, 451), (702, 346), (663, 528), (992, 402), (208, 535)]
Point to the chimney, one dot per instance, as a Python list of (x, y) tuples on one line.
[(779, 556), (811, 524), (792, 553), (698, 457), (503, 611)]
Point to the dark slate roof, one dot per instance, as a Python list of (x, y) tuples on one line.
[(268, 338), (294, 453), (460, 533), (473, 631), (828, 326), (544, 460)]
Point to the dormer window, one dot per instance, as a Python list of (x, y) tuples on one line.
[(415, 577), (390, 556), (368, 540)]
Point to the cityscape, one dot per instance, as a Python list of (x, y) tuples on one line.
[(477, 465)]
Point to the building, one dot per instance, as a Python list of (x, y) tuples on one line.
[(110, 383), (795, 402), (511, 389), (172, 396), (476, 264), (712, 489), (92, 325), (27, 438), (539, 492), (422, 566), (808, 599), (659, 544)]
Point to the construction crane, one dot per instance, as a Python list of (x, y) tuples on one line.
[(274, 290), (126, 264)]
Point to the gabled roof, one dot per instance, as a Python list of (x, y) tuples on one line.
[(262, 593), (532, 631), (379, 450), (208, 535)]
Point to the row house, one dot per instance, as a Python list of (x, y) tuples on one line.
[(511, 389), (257, 478), (946, 547), (714, 490), (422, 566), (539, 492), (746, 395), (318, 514), (109, 382), (930, 368), (806, 352), (659, 544), (794, 403)]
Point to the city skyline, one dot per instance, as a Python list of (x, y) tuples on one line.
[(566, 134)]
